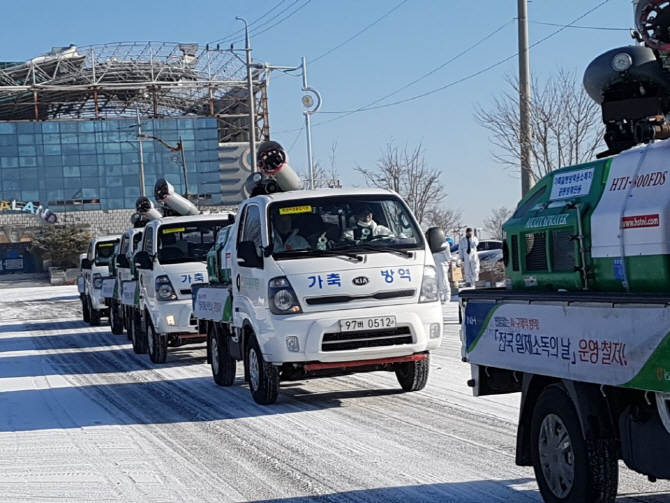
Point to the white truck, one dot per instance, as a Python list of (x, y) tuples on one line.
[(94, 268), (316, 289), (120, 310), (171, 257)]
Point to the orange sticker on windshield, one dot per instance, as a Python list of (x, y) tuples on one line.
[(295, 209)]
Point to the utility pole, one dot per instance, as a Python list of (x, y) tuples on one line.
[(140, 137), (252, 103), (312, 107), (527, 179), (180, 145)]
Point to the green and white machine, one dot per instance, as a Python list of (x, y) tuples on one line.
[(601, 226), (582, 329)]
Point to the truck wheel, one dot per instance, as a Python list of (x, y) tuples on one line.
[(94, 316), (413, 376), (263, 376), (115, 321), (157, 344), (128, 322), (224, 366), (139, 338), (85, 312), (569, 468)]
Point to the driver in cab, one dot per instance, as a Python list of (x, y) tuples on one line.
[(365, 227), (284, 236)]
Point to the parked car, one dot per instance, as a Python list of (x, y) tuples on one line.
[(484, 245)]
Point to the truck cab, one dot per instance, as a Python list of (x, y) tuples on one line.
[(120, 272), (172, 257), (94, 268), (317, 289)]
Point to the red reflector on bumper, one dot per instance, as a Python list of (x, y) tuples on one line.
[(364, 363)]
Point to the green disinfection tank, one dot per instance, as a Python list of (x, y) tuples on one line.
[(600, 226)]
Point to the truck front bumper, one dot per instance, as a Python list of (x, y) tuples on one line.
[(174, 317), (414, 324)]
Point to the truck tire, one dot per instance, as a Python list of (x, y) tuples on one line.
[(115, 321), (569, 468), (157, 344), (413, 376), (138, 336), (128, 322), (85, 312), (263, 376), (95, 315), (224, 366)]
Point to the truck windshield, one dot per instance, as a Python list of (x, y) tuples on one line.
[(104, 251), (348, 224), (187, 242)]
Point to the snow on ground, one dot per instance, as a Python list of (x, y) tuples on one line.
[(83, 418)]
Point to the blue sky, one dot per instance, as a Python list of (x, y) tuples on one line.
[(417, 37)]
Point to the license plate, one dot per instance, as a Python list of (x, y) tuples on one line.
[(363, 324)]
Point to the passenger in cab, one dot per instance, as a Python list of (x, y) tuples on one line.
[(285, 237)]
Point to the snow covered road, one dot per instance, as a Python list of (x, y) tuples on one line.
[(82, 418)]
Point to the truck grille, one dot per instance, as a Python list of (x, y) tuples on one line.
[(338, 299), (342, 341)]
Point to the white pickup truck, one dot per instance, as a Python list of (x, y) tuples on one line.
[(322, 283), (171, 257), (95, 267)]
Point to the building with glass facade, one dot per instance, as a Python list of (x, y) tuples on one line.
[(95, 165)]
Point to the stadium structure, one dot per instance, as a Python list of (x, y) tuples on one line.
[(77, 123)]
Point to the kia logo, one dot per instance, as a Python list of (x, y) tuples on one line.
[(360, 281)]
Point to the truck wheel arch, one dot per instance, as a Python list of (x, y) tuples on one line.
[(592, 408)]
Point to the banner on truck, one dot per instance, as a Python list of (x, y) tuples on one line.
[(212, 304), (128, 293), (108, 287), (614, 346)]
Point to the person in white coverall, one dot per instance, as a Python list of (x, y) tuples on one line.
[(467, 249), (366, 227), (285, 238), (442, 261)]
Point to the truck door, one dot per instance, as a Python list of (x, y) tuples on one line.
[(146, 283), (249, 281)]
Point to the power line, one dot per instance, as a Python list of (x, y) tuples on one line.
[(232, 36), (255, 31), (425, 76), (604, 28), (468, 77), (300, 130), (360, 32)]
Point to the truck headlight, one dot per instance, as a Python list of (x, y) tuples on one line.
[(164, 289), (283, 299), (429, 290), (97, 281)]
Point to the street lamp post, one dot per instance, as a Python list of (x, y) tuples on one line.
[(252, 103), (312, 105)]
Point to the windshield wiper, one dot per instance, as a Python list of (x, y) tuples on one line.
[(320, 253), (387, 249)]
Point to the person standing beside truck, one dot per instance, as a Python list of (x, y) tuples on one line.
[(467, 249), (442, 263)]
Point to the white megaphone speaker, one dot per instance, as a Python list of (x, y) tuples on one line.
[(165, 194)]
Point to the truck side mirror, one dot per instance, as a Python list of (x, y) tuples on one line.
[(122, 261), (143, 261), (437, 241), (247, 255), (86, 264)]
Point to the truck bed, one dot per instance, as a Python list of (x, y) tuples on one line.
[(611, 298)]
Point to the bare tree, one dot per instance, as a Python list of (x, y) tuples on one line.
[(324, 177), (493, 224), (449, 220), (406, 172), (565, 122)]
